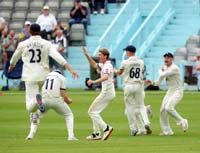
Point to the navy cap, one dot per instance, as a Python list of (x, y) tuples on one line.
[(130, 48), (168, 55), (35, 27)]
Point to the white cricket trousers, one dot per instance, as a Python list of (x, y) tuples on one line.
[(136, 110), (171, 99), (32, 88), (98, 105), (61, 108)]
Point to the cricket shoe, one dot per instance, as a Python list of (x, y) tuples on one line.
[(141, 133), (40, 104), (30, 136), (148, 130), (167, 134), (184, 125), (107, 132), (94, 136), (134, 132), (72, 139)]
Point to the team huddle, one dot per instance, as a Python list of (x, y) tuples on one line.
[(47, 90)]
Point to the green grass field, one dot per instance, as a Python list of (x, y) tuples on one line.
[(51, 136)]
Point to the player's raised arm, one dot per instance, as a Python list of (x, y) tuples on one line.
[(92, 62)]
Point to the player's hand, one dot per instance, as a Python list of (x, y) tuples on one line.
[(148, 82), (85, 51), (11, 67), (90, 82), (69, 101), (75, 75)]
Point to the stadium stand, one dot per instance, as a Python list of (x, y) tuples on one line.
[(171, 38)]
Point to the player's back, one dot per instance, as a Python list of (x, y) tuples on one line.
[(35, 55), (53, 84), (133, 70)]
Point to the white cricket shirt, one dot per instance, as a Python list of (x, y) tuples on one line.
[(107, 68), (133, 69), (53, 84), (35, 53), (172, 76)]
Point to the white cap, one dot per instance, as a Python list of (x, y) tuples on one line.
[(27, 23), (46, 7)]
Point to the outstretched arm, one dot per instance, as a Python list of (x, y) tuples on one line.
[(92, 62), (71, 70)]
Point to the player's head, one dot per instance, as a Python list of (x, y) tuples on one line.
[(35, 29), (168, 58), (103, 55), (130, 50)]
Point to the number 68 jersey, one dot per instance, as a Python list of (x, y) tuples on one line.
[(133, 70), (35, 53)]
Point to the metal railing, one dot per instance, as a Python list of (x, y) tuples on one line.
[(116, 27), (152, 25)]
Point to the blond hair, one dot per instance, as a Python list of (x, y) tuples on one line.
[(105, 52)]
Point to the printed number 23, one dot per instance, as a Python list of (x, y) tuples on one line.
[(35, 55)]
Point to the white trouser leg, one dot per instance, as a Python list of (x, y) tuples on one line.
[(62, 109), (171, 103), (34, 117), (164, 122), (32, 88), (99, 104)]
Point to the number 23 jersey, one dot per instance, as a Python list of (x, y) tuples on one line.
[(133, 69), (35, 53)]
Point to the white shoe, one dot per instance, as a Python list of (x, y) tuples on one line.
[(166, 134), (72, 139), (30, 136), (94, 137), (102, 11), (107, 132), (133, 132), (149, 111), (184, 125), (95, 12), (141, 133)]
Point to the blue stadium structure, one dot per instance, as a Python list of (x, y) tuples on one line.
[(153, 26)]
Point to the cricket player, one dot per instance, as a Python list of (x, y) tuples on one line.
[(171, 73), (132, 71), (35, 53), (54, 97), (104, 98)]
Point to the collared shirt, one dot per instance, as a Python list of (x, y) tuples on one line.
[(53, 84), (172, 76), (35, 53), (133, 69), (107, 68), (46, 22)]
